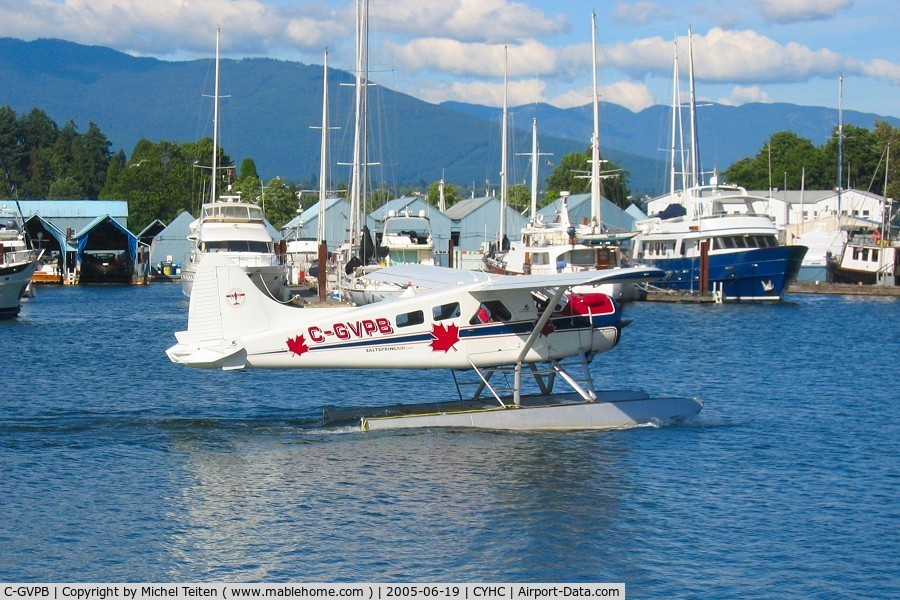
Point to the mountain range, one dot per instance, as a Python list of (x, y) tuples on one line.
[(270, 111)]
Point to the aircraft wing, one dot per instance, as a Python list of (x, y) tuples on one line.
[(629, 275), (430, 277), (427, 276)]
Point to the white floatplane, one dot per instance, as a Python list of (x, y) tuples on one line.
[(465, 321)]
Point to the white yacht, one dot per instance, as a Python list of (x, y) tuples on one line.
[(237, 230), (18, 261), (405, 240)]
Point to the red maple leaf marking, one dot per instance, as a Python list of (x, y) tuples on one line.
[(547, 329), (297, 345), (444, 338)]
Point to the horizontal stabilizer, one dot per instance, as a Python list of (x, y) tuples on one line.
[(207, 357)]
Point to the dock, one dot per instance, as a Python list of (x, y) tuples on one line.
[(849, 289), (678, 297), (797, 287)]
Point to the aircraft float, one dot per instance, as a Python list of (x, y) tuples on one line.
[(523, 327)]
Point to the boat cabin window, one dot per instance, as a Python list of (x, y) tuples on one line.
[(445, 311), (231, 212), (399, 257), (744, 241), (416, 317), (236, 246), (581, 257), (540, 258), (490, 310), (662, 248)]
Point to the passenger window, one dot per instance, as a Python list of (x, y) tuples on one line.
[(416, 317), (446, 311), (490, 311)]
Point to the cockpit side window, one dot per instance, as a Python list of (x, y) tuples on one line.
[(489, 311)]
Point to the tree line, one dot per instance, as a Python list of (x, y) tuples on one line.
[(161, 179), (787, 161)]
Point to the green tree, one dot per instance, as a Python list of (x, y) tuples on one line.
[(281, 203), (248, 169), (156, 182), (38, 134), (860, 158), (451, 194), (66, 188), (518, 196), (784, 157), (889, 136), (573, 175), (92, 161), (10, 153)]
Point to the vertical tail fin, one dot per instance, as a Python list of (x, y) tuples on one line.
[(225, 305)]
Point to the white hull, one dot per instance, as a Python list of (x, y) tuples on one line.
[(271, 279), (14, 279), (614, 410), (406, 240)]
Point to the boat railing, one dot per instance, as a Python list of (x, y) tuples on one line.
[(255, 260), (19, 256), (725, 215)]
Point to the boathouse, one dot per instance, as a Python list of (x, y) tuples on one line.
[(613, 217), (59, 253), (63, 223), (170, 245), (305, 226), (108, 253), (476, 222), (441, 224)]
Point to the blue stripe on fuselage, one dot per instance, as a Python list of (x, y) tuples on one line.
[(488, 330)]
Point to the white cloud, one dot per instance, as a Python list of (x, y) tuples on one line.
[(526, 91), (633, 96), (743, 95), (489, 21), (790, 11), (745, 56), (882, 69), (476, 59), (639, 13)]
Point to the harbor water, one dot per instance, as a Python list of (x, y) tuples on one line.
[(119, 466)]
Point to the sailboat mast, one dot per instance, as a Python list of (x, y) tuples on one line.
[(840, 142), (504, 150), (323, 173), (885, 206), (534, 171), (364, 142), (322, 247), (596, 216), (215, 148), (695, 151), (675, 112), (356, 177)]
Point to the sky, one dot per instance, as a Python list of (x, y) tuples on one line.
[(440, 50)]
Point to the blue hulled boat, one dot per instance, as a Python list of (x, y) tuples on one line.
[(744, 257)]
